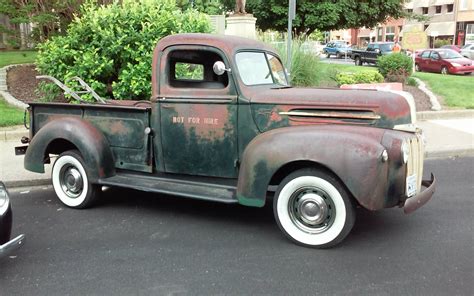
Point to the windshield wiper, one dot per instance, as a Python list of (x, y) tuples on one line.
[(282, 87)]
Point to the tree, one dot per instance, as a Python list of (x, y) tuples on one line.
[(324, 15), (111, 47), (50, 17)]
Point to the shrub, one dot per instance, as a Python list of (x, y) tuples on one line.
[(111, 47), (395, 67), (440, 42), (359, 77), (412, 82), (304, 64)]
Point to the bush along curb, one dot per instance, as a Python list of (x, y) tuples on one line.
[(4, 87), (435, 106)]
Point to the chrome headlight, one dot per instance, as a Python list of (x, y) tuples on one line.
[(4, 200), (405, 151)]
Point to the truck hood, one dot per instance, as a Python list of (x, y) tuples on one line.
[(279, 107)]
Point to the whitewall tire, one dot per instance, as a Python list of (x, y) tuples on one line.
[(313, 209), (70, 181)]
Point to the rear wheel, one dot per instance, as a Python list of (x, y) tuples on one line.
[(70, 181), (328, 55), (358, 61), (444, 70), (313, 209)]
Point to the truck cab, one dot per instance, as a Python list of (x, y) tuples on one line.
[(223, 124)]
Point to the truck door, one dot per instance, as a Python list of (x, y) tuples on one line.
[(198, 113)]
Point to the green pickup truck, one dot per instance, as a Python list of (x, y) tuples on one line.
[(223, 124)]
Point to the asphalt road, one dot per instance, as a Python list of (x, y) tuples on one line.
[(134, 243)]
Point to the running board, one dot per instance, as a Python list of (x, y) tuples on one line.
[(204, 191)]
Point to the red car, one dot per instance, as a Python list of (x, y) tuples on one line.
[(443, 61)]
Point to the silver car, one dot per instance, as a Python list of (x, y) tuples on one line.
[(468, 51)]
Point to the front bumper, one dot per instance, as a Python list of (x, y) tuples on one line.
[(12, 245), (417, 201), (461, 70)]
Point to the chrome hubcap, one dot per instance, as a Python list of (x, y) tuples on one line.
[(311, 210), (71, 181)]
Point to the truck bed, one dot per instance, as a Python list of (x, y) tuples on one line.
[(123, 124)]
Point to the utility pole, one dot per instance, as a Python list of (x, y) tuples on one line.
[(291, 17)]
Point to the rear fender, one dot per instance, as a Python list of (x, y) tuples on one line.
[(352, 153), (90, 142)]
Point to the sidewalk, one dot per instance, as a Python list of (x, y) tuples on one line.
[(444, 138)]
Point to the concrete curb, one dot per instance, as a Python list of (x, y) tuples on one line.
[(4, 87), (28, 183), (433, 99), (447, 114), (450, 152), (13, 135)]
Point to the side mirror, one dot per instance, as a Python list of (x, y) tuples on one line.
[(219, 68)]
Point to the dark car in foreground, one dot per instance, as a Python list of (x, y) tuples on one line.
[(444, 61), (7, 245)]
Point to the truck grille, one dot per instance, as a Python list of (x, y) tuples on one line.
[(415, 160)]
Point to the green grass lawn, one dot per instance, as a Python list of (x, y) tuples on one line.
[(455, 90), (17, 57), (9, 115), (327, 72)]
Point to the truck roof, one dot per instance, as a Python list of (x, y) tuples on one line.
[(229, 44)]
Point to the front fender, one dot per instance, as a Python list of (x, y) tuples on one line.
[(90, 142), (352, 153)]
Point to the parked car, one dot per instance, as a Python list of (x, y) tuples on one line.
[(444, 61), (467, 51), (453, 47), (339, 49), (6, 245), (234, 133), (372, 52)]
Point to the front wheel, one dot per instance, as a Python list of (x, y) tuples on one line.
[(70, 181), (313, 209), (417, 68), (444, 70)]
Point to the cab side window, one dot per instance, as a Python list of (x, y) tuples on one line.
[(193, 69), (425, 54)]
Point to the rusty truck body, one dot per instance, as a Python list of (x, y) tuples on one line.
[(223, 124)]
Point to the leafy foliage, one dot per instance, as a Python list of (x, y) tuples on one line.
[(324, 15), (304, 64), (206, 6), (440, 42), (50, 17), (359, 77), (395, 67), (111, 47)]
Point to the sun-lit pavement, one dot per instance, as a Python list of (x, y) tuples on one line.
[(135, 243)]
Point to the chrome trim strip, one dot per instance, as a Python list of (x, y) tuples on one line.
[(331, 115)]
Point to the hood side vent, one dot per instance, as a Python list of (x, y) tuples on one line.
[(361, 116)]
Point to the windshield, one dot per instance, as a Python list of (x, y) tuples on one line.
[(386, 46), (257, 68), (449, 54)]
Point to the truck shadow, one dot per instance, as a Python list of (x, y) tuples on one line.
[(369, 226)]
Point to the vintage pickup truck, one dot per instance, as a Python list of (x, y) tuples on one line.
[(223, 124)]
